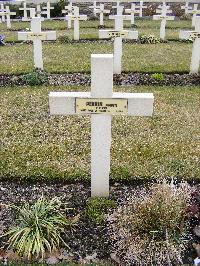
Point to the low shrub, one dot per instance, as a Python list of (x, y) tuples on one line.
[(148, 39), (64, 39), (38, 228), (37, 77), (97, 207), (158, 76), (151, 229)]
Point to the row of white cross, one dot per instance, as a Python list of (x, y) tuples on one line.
[(118, 34)]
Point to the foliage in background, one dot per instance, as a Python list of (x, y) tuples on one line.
[(38, 228), (64, 39), (158, 76), (148, 39), (35, 78), (151, 228), (97, 207)]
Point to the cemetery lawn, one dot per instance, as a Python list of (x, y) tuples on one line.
[(169, 57), (36, 146)]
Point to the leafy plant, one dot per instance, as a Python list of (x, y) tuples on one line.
[(158, 76), (97, 207), (64, 39), (151, 228), (37, 77), (38, 228), (151, 39)]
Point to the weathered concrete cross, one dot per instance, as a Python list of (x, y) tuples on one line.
[(25, 9), (47, 10), (76, 17), (6, 12), (195, 35), (101, 103), (195, 11), (69, 10), (94, 6), (101, 11), (141, 7), (132, 11), (163, 17), (2, 10), (118, 34), (37, 36), (186, 7)]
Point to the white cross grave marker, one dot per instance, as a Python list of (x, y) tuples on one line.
[(186, 7), (25, 9), (118, 34), (47, 10), (141, 7), (117, 7), (69, 10), (163, 17), (132, 11), (195, 11), (120, 13), (76, 17), (2, 10), (101, 103), (94, 7), (38, 10), (195, 60), (37, 36), (6, 12), (101, 11)]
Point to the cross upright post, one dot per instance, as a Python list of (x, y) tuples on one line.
[(24, 8), (47, 10), (186, 7), (37, 36), (132, 11), (76, 17), (2, 11), (195, 11), (101, 12), (7, 13), (69, 10), (163, 17), (38, 10), (195, 35), (141, 7), (118, 34), (101, 103), (94, 7)]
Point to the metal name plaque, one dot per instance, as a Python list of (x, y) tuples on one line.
[(101, 106), (117, 34), (34, 36), (75, 17)]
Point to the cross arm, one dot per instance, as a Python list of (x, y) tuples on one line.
[(64, 103), (30, 36), (125, 34)]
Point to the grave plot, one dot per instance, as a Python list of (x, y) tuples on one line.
[(101, 153)]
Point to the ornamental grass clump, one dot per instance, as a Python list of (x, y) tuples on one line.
[(38, 228), (152, 228)]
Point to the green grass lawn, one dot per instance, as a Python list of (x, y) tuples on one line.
[(168, 57), (36, 146), (164, 58)]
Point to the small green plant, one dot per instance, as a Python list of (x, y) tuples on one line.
[(97, 207), (37, 77), (158, 76), (151, 39), (38, 228), (64, 39)]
